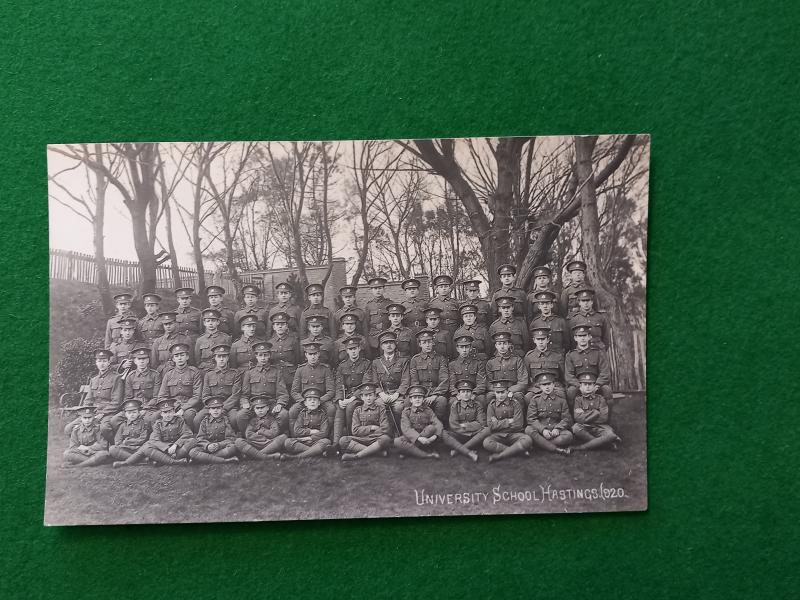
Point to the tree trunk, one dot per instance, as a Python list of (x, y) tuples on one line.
[(144, 251), (176, 273), (197, 250), (621, 351), (99, 243)]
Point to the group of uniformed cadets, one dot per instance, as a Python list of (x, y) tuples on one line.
[(506, 374)]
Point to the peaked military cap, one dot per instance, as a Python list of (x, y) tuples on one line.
[(541, 331), (468, 308), (425, 334), (280, 317), (179, 347), (348, 290), (579, 328), (472, 284), (132, 404), (212, 313), (184, 292), (128, 322), (311, 347), (215, 401), (545, 378), (312, 392), (103, 353), (464, 340), (365, 387), (377, 282), (576, 265), (261, 347), (432, 311), (417, 390), (151, 298), (396, 309), (140, 352), (86, 410), (442, 280), (465, 384), (251, 289), (349, 318), (506, 269), (314, 288), (315, 320), (260, 401), (544, 296), (539, 271), (167, 317), (501, 384), (248, 320), (387, 336), (353, 341), (166, 403), (217, 290), (587, 377), (505, 301), (221, 349), (124, 297), (283, 287), (501, 336), (411, 283), (584, 294)]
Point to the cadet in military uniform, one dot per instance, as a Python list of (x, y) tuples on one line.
[(509, 290), (370, 431), (262, 437), (285, 346), (542, 282), (131, 436), (227, 319), (203, 355), (506, 366), (313, 373), (467, 423), (467, 368), (183, 384), (472, 292), (171, 438), (349, 324), (150, 327), (106, 394), (515, 326), (450, 317), (250, 295), (121, 349), (242, 349), (586, 315), (414, 315), (310, 428), (123, 305), (545, 301), (189, 318), (389, 372), (576, 271), (348, 295), (349, 376), (419, 427), (160, 356), (543, 359), (88, 446), (504, 416), (225, 382), (586, 358), (549, 419), (143, 384), (429, 370), (215, 437), (315, 294), (265, 380), (316, 335), (285, 294), (442, 338), (478, 333), (377, 313), (405, 336), (591, 416)]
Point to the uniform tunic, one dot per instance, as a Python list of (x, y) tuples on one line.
[(349, 376), (203, 357), (508, 409), (215, 431), (468, 414), (294, 317), (377, 319), (509, 367), (311, 419), (327, 349), (175, 431), (450, 317), (591, 414), (90, 436), (341, 348), (328, 322), (539, 362), (599, 324), (223, 382), (160, 356), (261, 431), (319, 376), (429, 370), (106, 391), (416, 422), (533, 303), (520, 302), (471, 369), (443, 342), (286, 355), (406, 342), (520, 337), (414, 317), (568, 302), (362, 327), (482, 345), (549, 411), (390, 376), (150, 328), (113, 327), (364, 418), (258, 313), (559, 332), (132, 436), (265, 381), (189, 322), (589, 359), (184, 385), (122, 351), (242, 354), (485, 315), (226, 320), (143, 386)]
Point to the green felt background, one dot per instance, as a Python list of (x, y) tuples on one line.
[(715, 83)]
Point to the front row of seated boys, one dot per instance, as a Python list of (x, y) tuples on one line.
[(500, 428)]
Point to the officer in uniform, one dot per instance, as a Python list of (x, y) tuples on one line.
[(171, 438), (370, 432), (349, 323), (125, 345), (262, 438), (507, 366), (310, 428), (429, 370), (160, 356), (586, 315), (183, 385), (467, 423), (143, 384), (549, 419), (242, 349), (576, 270), (472, 291), (106, 394), (504, 416), (285, 347), (315, 294), (227, 319), (203, 355), (508, 289), (420, 428), (543, 359), (545, 303), (442, 337), (316, 334), (542, 282), (348, 295), (591, 416), (284, 293), (377, 313), (450, 317), (467, 368), (405, 339), (478, 333), (264, 379), (514, 326), (250, 294), (414, 316), (189, 318), (390, 374), (123, 304), (313, 373), (215, 436), (150, 326), (224, 382), (131, 436), (88, 447), (350, 374), (584, 358)]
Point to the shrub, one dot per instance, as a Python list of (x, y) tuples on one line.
[(76, 365)]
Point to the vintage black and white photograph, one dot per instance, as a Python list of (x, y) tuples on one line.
[(262, 331)]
